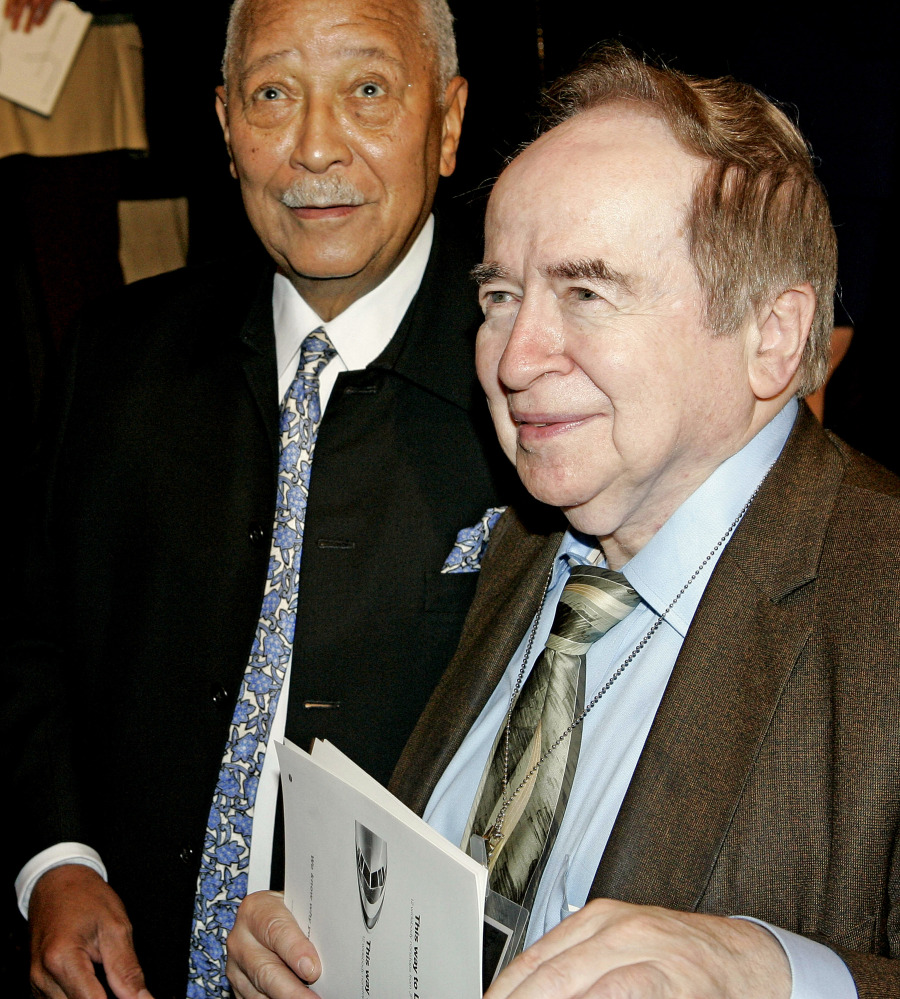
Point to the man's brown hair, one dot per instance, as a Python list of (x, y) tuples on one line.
[(759, 221)]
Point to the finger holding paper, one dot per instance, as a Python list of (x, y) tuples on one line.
[(269, 956), (37, 11)]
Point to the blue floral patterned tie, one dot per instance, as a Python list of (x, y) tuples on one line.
[(226, 849)]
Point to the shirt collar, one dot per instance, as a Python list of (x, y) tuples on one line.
[(362, 331), (669, 559)]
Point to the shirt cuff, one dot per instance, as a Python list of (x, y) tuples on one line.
[(816, 970), (46, 860)]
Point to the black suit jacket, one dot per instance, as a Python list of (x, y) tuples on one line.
[(153, 558), (769, 784)]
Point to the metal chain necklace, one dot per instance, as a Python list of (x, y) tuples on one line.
[(494, 834)]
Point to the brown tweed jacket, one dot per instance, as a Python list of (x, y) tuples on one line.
[(769, 785)]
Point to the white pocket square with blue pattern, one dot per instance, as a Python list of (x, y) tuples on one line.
[(465, 556)]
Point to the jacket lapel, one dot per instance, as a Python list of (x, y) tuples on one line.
[(435, 341), (748, 632), (258, 359)]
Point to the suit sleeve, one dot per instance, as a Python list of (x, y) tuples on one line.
[(35, 708)]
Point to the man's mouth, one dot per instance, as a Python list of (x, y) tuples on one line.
[(323, 211), (544, 425), (545, 419)]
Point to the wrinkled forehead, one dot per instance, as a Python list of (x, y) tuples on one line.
[(391, 27)]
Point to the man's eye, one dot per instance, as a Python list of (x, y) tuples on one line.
[(269, 94), (585, 294), (369, 90), (489, 298)]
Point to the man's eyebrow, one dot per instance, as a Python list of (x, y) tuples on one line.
[(371, 52), (594, 270), (482, 273), (264, 61)]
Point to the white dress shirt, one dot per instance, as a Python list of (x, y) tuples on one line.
[(359, 334)]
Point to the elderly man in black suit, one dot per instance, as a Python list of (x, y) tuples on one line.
[(174, 457)]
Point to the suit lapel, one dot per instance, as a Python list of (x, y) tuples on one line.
[(509, 592), (739, 651), (435, 342), (258, 359)]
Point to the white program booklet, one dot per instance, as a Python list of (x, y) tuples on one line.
[(394, 909), (34, 65)]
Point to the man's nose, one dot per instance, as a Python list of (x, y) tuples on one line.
[(536, 347), (321, 140)]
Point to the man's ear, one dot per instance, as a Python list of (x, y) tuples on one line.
[(454, 108), (778, 340), (222, 112)]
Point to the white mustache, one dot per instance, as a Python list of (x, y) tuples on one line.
[(322, 192)]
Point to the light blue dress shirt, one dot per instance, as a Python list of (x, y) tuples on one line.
[(616, 729)]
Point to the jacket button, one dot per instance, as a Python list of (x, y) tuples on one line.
[(220, 696), (259, 536), (187, 854)]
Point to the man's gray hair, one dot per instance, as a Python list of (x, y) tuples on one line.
[(436, 22)]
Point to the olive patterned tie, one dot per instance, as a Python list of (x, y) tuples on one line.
[(524, 819)]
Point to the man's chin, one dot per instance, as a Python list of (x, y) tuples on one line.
[(314, 256), (330, 288), (308, 271), (554, 484)]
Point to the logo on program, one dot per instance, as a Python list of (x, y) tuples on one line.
[(371, 872)]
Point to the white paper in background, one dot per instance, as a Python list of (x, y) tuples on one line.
[(425, 910), (34, 65)]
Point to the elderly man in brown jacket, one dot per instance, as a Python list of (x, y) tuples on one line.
[(657, 285)]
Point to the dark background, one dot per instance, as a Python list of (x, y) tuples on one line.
[(838, 79)]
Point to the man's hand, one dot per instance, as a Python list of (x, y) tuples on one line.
[(78, 921), (612, 949), (269, 956), (37, 11)]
